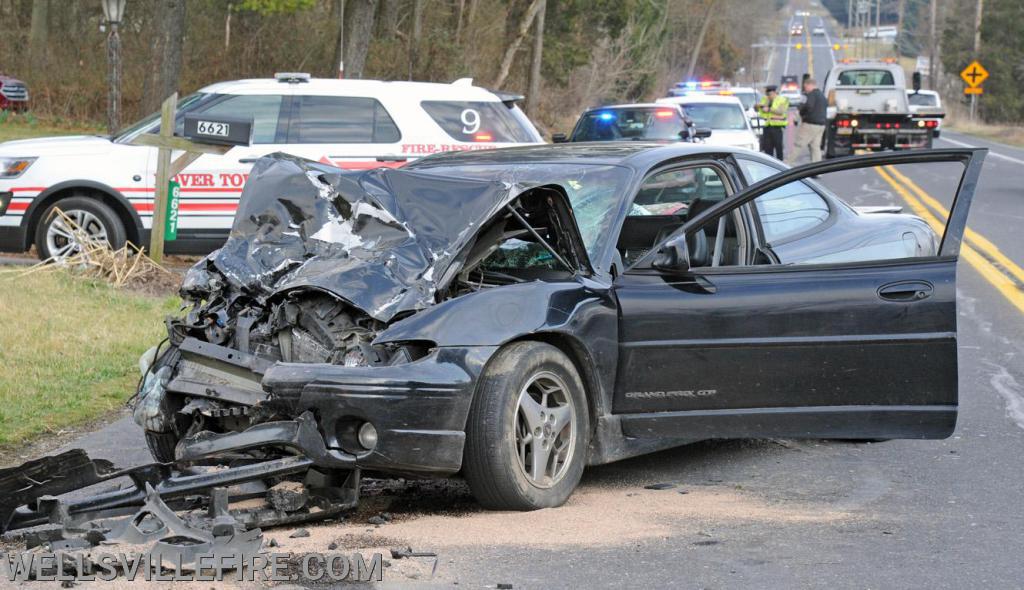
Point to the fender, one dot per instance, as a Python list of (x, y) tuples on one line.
[(43, 200), (582, 315)]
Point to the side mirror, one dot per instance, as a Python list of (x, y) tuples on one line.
[(916, 81), (559, 138), (702, 132), (674, 256)]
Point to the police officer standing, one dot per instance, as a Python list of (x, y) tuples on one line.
[(774, 109), (812, 123)]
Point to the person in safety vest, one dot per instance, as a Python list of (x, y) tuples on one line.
[(774, 109)]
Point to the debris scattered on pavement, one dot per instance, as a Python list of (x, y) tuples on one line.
[(299, 533), (659, 486)]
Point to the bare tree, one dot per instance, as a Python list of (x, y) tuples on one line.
[(513, 47), (168, 43), (170, 70), (471, 13), (533, 88), (417, 20), (695, 52), (387, 20), (359, 25), (39, 33), (458, 20)]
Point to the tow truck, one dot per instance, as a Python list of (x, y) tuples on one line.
[(868, 109)]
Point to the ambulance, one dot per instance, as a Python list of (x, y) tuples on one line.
[(105, 185)]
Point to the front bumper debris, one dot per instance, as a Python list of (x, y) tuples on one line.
[(44, 500)]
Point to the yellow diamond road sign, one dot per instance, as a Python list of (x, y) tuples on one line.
[(974, 74)]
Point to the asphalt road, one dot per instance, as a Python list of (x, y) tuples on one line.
[(767, 514)]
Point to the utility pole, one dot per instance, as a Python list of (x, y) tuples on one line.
[(901, 7), (977, 49), (933, 66)]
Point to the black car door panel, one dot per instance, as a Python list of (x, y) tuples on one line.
[(853, 350)]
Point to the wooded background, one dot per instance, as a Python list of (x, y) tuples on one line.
[(565, 55)]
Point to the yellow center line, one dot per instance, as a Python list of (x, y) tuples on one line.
[(986, 269), (977, 240)]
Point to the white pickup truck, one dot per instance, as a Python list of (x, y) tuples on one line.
[(868, 110)]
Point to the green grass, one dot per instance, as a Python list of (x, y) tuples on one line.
[(69, 349), (27, 125)]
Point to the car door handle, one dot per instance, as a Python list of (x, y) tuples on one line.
[(247, 160), (906, 291)]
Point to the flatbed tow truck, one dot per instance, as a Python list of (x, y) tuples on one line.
[(868, 109)]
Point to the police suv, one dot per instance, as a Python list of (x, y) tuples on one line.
[(106, 184)]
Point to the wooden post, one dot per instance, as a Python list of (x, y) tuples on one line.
[(163, 177), (166, 169)]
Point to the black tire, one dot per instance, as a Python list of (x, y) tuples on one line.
[(491, 463), (161, 445), (102, 213)]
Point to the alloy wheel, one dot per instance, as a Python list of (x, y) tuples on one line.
[(62, 238), (545, 429)]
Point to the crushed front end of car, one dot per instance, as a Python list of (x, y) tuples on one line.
[(283, 322), (303, 355)]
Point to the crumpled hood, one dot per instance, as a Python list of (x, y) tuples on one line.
[(383, 240)]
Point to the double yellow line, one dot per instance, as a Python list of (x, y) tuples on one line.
[(994, 266)]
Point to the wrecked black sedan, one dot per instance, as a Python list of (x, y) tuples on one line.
[(517, 314)]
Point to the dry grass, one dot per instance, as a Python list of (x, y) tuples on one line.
[(1008, 134), (124, 268)]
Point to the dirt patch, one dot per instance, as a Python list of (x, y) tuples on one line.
[(594, 516)]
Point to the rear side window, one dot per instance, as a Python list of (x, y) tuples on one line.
[(756, 171), (790, 210), (341, 119), (264, 108), (477, 121)]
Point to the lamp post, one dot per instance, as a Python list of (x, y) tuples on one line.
[(113, 12)]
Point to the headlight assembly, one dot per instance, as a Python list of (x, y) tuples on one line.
[(14, 167)]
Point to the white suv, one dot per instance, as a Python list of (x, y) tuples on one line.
[(106, 184)]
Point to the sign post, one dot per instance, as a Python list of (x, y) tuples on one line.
[(174, 198), (974, 75), (210, 135)]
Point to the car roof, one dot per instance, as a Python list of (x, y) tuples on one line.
[(459, 90), (638, 155), (636, 105), (701, 99)]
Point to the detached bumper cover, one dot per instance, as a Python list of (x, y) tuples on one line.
[(419, 409)]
